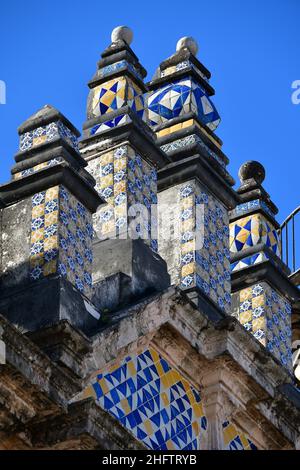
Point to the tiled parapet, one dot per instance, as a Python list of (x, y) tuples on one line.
[(266, 314), (128, 184), (61, 238), (152, 399)]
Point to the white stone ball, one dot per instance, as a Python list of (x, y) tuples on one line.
[(122, 33), (189, 43)]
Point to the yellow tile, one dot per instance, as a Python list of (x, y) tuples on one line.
[(125, 406), (188, 225), (51, 218), (107, 180), (103, 385), (52, 193), (259, 324), (245, 317), (50, 267), (188, 269), (187, 202), (37, 235), (120, 164), (165, 399), (188, 246), (258, 301), (195, 427), (148, 427), (120, 187), (38, 211), (131, 368), (50, 243), (245, 294), (170, 445)]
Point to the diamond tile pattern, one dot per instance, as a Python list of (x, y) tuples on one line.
[(114, 94), (179, 98), (250, 231), (266, 315), (205, 256), (128, 183), (234, 439), (61, 238), (151, 399)]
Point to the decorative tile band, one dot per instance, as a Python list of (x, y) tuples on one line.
[(104, 126), (113, 68), (234, 439), (255, 204), (206, 266), (267, 315), (128, 184), (190, 140), (151, 399), (48, 133), (249, 261), (61, 238), (181, 66), (251, 230), (34, 169)]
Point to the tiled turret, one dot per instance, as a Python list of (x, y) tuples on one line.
[(48, 208), (122, 156), (262, 292), (195, 190)]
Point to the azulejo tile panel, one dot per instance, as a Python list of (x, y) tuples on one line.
[(114, 94), (114, 68), (61, 238), (235, 439), (151, 399), (267, 315), (204, 244), (129, 185), (255, 204), (251, 230), (179, 98), (47, 133)]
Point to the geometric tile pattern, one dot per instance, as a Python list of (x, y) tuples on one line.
[(251, 230), (205, 256), (249, 261), (47, 133), (152, 400), (127, 183), (267, 315), (234, 439), (104, 126), (34, 169), (179, 98), (61, 238), (192, 140), (114, 94)]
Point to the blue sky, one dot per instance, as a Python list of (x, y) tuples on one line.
[(49, 52)]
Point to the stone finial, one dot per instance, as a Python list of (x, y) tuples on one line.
[(252, 170), (122, 33), (188, 43)]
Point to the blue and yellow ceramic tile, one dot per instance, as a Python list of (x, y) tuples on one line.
[(179, 98), (48, 133), (266, 314), (205, 259), (151, 399), (251, 230), (61, 238), (235, 439)]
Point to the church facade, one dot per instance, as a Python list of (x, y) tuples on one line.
[(144, 303)]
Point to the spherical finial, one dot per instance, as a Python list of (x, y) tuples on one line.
[(122, 33), (188, 43), (252, 169)]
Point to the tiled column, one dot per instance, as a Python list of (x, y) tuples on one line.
[(48, 213), (195, 188)]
